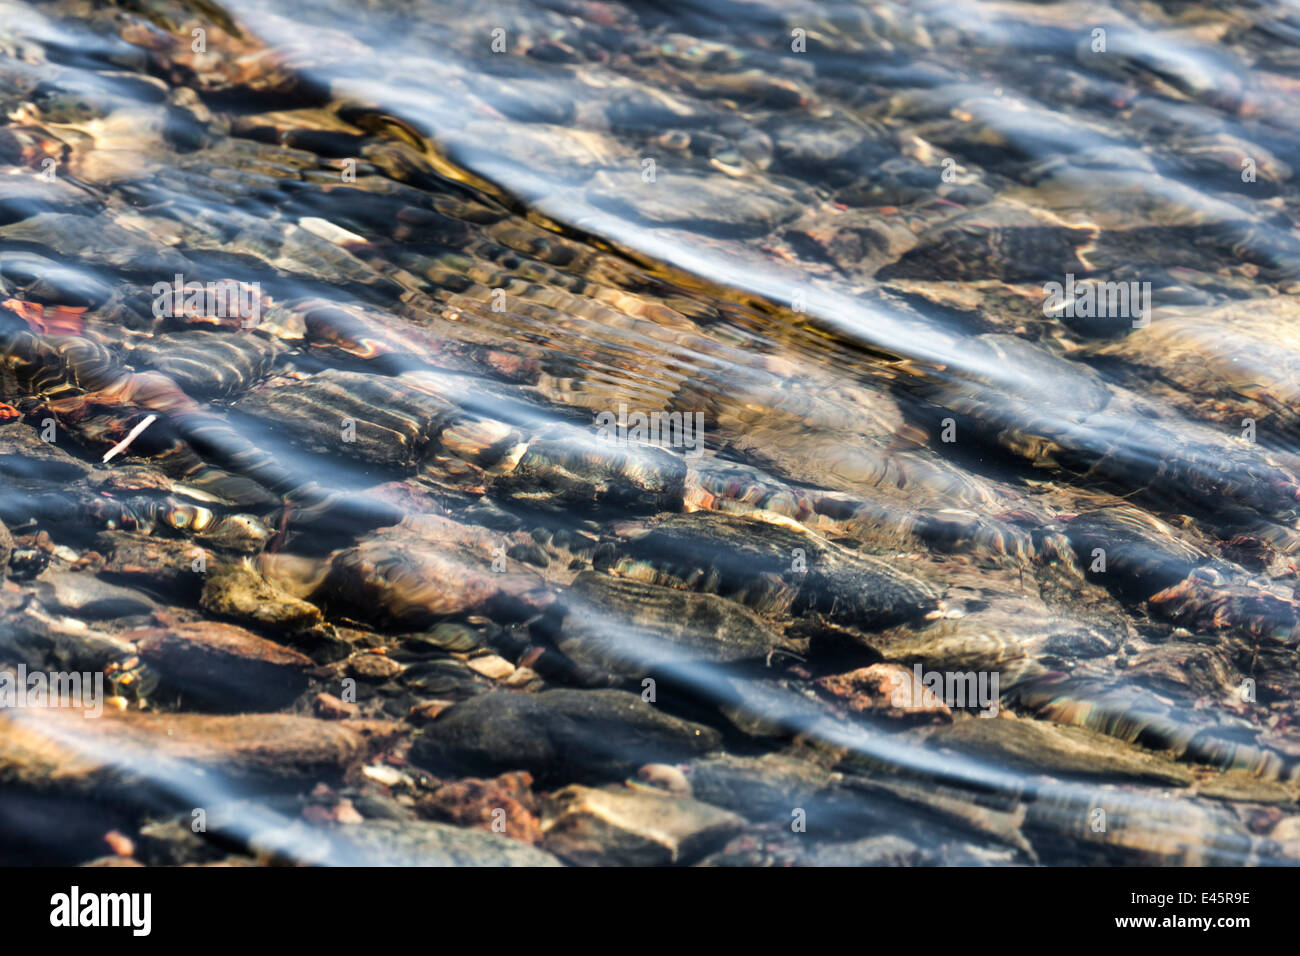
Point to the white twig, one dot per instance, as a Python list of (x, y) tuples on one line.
[(130, 437)]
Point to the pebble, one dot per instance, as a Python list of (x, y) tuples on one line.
[(410, 843), (662, 776), (333, 708), (346, 813), (1287, 834), (887, 690), (429, 710), (621, 826), (491, 666), (375, 668), (239, 592), (88, 597), (633, 629), (384, 774), (119, 843), (520, 677), (766, 787)]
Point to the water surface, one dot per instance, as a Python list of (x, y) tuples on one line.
[(965, 331)]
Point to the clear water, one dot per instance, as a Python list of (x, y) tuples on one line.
[(862, 245)]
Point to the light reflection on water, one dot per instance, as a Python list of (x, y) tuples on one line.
[(836, 255)]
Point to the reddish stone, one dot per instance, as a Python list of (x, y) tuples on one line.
[(119, 843), (886, 689), (473, 802)]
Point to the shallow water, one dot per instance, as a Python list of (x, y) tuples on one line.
[(844, 259)]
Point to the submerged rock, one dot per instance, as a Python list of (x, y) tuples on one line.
[(767, 787), (627, 827), (222, 667), (886, 690), (870, 851), (209, 364), (81, 595), (352, 414), (1041, 747), (59, 749), (637, 630), (161, 566), (775, 569), (429, 567), (418, 843), (239, 592), (558, 735), (583, 471)]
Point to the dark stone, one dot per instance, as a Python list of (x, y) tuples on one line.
[(635, 630), (558, 735)]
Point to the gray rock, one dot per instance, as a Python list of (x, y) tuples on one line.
[(574, 469), (420, 843), (84, 238), (23, 455), (740, 558), (86, 596), (871, 851), (760, 788), (558, 735)]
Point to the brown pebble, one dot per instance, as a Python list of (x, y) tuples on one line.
[(346, 813), (491, 666), (64, 750), (335, 708), (521, 677), (373, 667), (221, 663), (664, 777), (89, 559), (119, 843), (428, 710)]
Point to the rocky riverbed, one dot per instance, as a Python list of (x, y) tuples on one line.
[(572, 433)]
